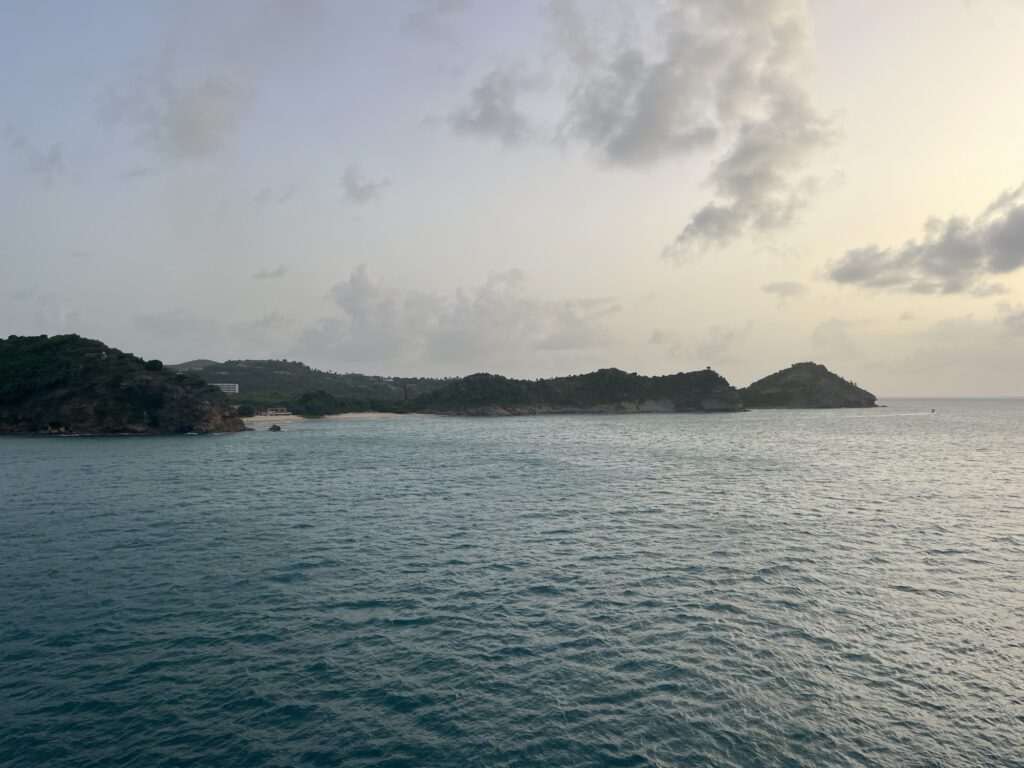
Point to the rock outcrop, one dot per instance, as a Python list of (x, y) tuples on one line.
[(70, 385), (805, 385)]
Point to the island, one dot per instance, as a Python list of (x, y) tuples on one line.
[(276, 386), (71, 385), (806, 385)]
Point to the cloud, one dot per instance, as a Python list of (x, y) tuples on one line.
[(705, 74), (632, 109), (1014, 322), (43, 164), (428, 19), (179, 119), (191, 107), (499, 323), (358, 189), (955, 255), (757, 83), (785, 291), (266, 196), (493, 108), (659, 336), (270, 274)]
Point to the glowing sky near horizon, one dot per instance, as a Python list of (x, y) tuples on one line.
[(439, 187)]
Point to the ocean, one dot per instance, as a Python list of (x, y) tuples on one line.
[(776, 588)]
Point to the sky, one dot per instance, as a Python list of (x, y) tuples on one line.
[(539, 188)]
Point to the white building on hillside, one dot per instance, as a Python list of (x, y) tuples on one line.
[(231, 389)]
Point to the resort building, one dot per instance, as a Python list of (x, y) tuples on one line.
[(231, 389)]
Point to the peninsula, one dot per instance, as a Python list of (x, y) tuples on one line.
[(71, 385)]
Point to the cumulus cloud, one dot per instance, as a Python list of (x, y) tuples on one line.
[(757, 84), (707, 74), (270, 274), (497, 323), (955, 255), (44, 164), (358, 189), (785, 291), (493, 109)]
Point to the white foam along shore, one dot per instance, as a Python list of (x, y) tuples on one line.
[(256, 420)]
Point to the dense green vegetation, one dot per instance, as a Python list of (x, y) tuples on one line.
[(282, 377), (806, 385), (313, 404), (67, 383), (607, 389), (699, 390)]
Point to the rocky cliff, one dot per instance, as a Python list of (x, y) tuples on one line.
[(805, 385), (70, 385), (606, 391)]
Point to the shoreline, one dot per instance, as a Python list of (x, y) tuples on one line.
[(255, 420)]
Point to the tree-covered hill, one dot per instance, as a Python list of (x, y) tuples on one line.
[(806, 385), (292, 378), (67, 384), (605, 391)]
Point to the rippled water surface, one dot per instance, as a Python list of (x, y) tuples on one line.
[(769, 588)]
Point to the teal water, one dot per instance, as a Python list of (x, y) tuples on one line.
[(800, 588)]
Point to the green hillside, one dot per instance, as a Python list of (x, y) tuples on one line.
[(67, 384), (287, 379), (605, 391), (806, 385)]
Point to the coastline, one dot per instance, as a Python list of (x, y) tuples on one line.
[(260, 420)]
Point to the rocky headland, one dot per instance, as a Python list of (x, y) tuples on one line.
[(805, 385), (71, 385)]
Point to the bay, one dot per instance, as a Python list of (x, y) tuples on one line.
[(764, 588)]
